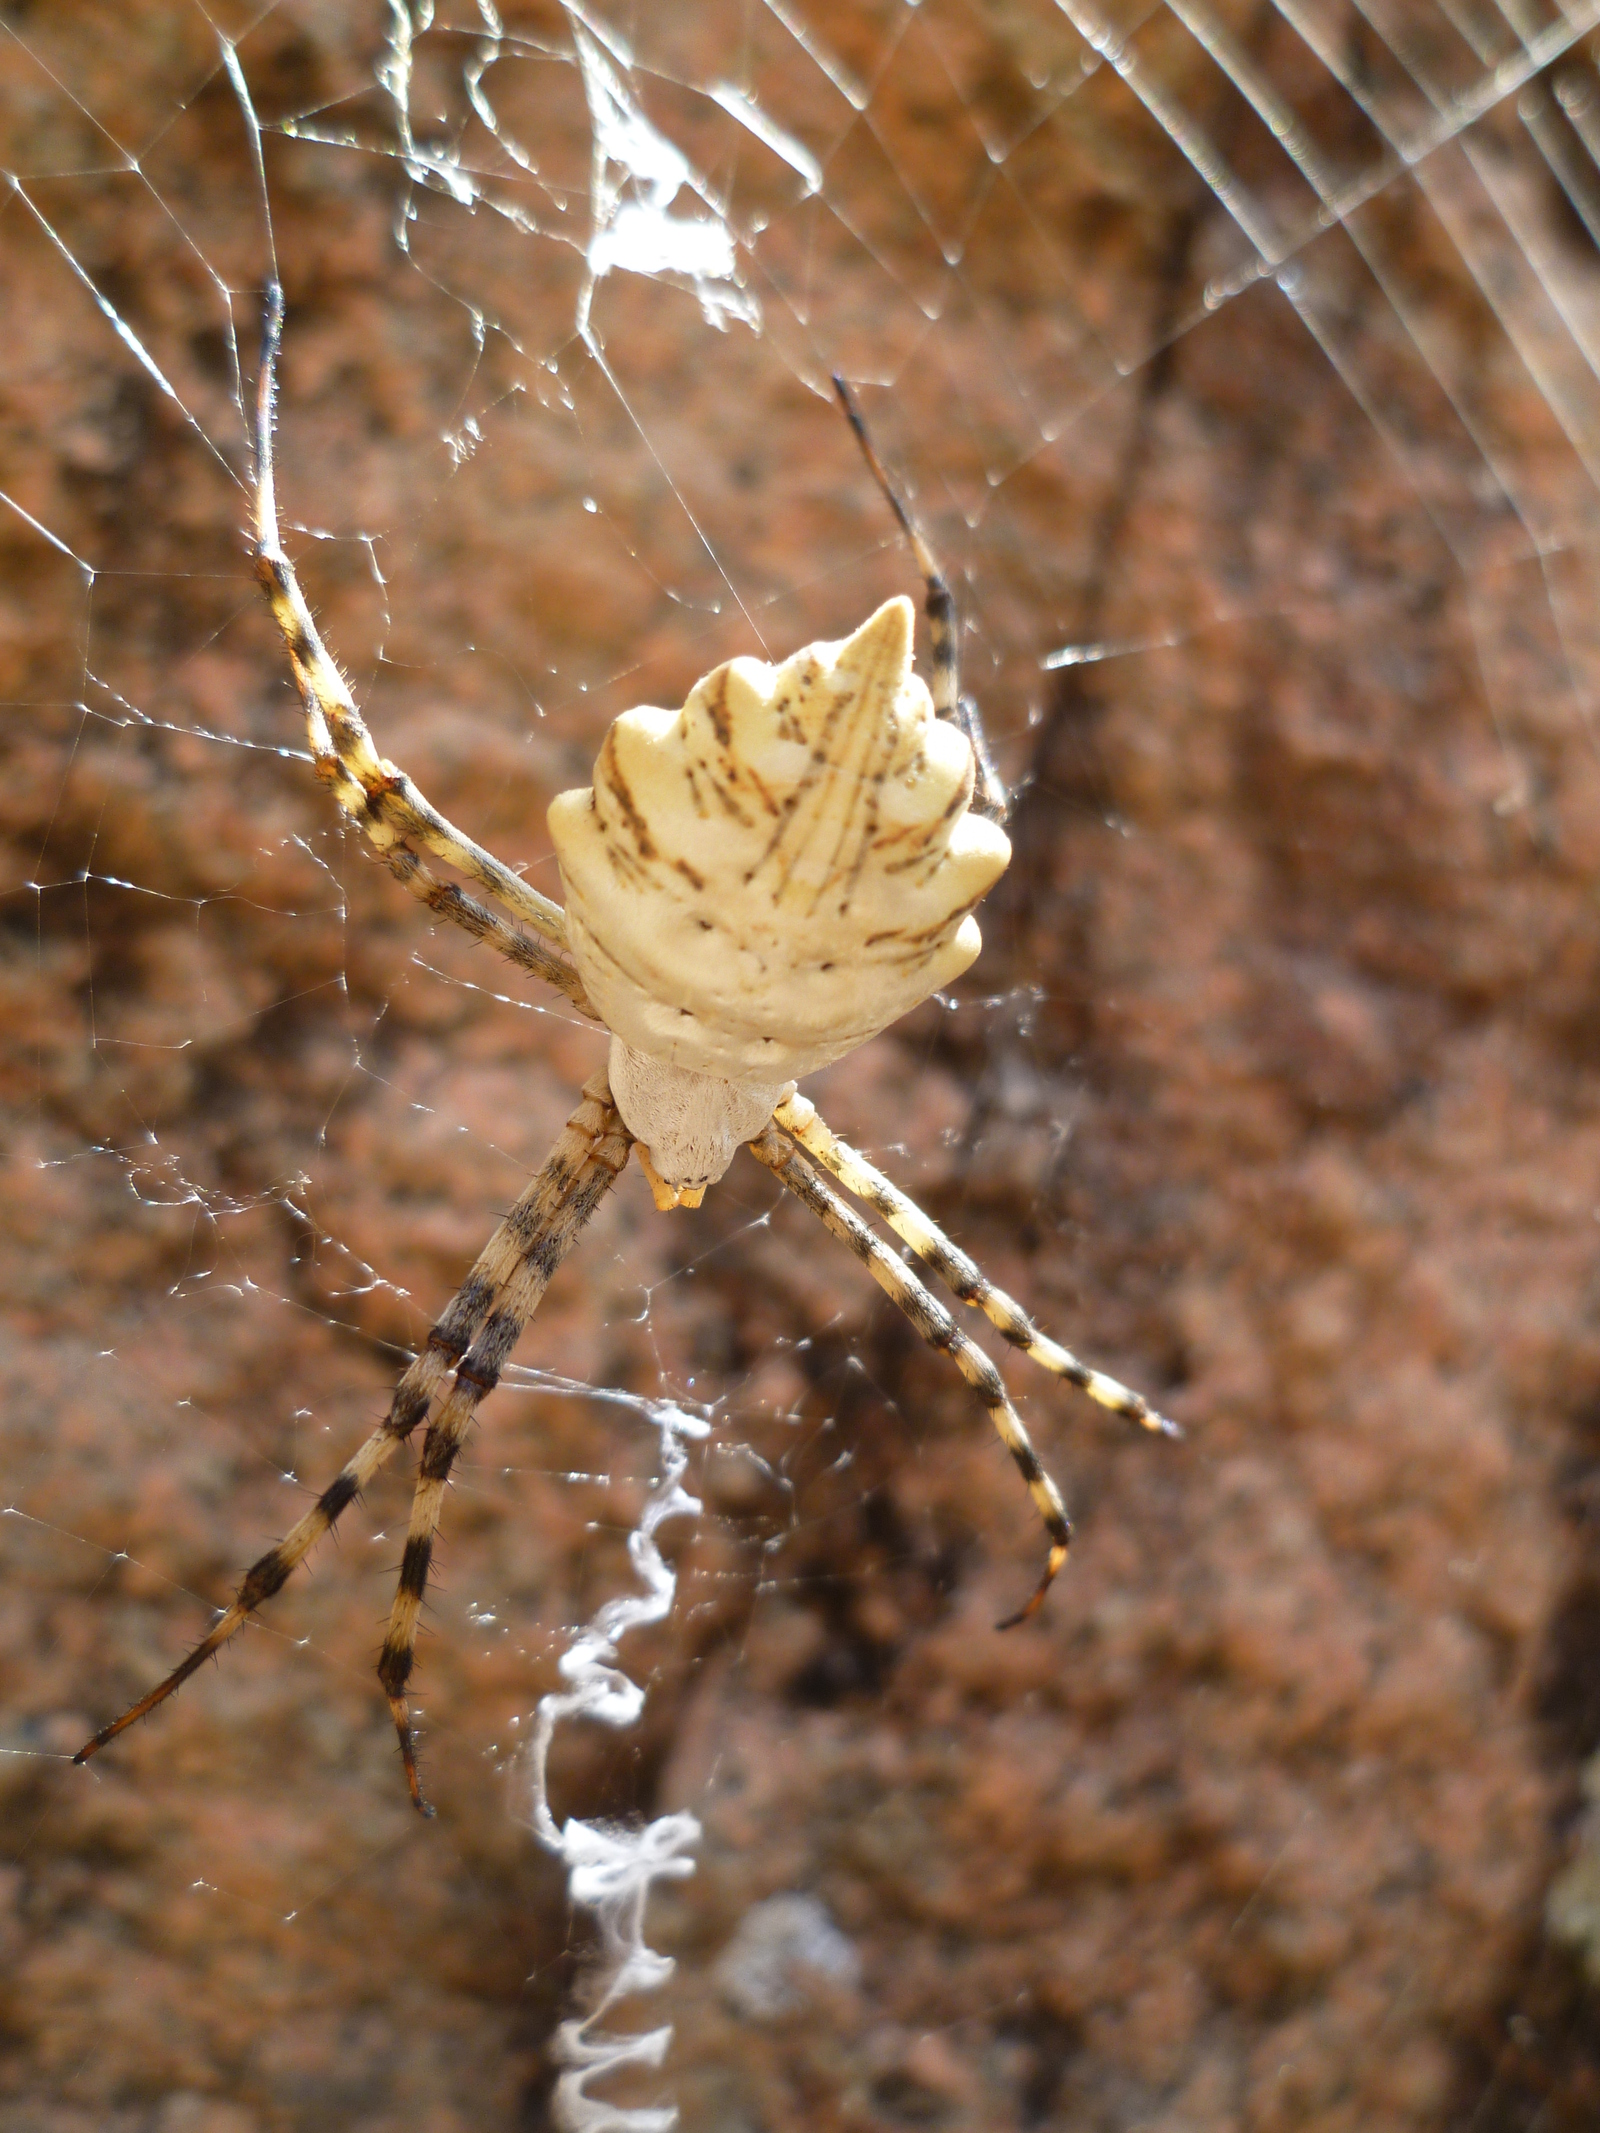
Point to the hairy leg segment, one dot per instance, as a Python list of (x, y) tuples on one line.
[(468, 1347)]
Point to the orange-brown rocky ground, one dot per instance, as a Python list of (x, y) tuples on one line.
[(1274, 1092)]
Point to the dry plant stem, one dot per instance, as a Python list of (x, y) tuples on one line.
[(473, 1337), (379, 797), (939, 1330), (799, 1117)]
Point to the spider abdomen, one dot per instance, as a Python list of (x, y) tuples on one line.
[(760, 882)]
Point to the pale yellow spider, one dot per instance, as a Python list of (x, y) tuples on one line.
[(756, 884)]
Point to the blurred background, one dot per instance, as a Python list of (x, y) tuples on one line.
[(1240, 362)]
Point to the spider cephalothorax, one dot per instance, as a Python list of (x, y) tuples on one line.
[(756, 884)]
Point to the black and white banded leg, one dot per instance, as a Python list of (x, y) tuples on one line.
[(473, 1337), (799, 1117), (380, 798), (574, 1187), (989, 795), (940, 1331)]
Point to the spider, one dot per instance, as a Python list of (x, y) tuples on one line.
[(756, 885)]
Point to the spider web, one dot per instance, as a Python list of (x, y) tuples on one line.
[(1240, 362)]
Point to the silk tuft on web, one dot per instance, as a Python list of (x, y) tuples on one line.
[(565, 287)]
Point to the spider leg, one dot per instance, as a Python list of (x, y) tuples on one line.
[(378, 797), (989, 793), (939, 1330), (447, 1345), (797, 1116), (582, 1167)]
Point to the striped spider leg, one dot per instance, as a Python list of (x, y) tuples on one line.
[(944, 627), (798, 1116), (381, 799), (782, 1157), (469, 1345)]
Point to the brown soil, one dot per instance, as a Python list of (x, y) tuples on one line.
[(1273, 1093)]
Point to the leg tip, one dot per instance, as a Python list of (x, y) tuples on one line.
[(408, 1755), (1025, 1613)]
